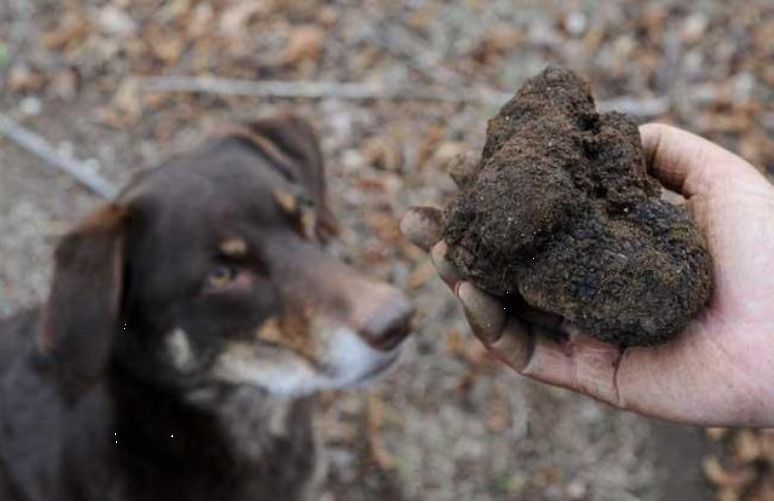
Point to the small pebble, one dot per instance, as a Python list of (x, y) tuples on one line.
[(30, 106), (575, 23)]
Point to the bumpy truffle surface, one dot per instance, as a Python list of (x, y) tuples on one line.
[(563, 213)]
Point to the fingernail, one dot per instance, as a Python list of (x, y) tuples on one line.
[(485, 314), (446, 270), (515, 347)]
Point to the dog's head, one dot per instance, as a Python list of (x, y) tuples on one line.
[(210, 271)]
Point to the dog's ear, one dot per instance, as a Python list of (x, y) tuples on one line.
[(81, 316), (292, 141)]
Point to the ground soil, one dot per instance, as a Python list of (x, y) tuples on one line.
[(449, 423), (564, 215)]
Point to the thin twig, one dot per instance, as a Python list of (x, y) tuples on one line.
[(37, 145), (637, 107), (649, 107), (293, 89), (5, 305)]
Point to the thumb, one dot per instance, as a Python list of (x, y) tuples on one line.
[(689, 164)]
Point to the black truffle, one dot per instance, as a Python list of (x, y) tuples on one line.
[(564, 214)]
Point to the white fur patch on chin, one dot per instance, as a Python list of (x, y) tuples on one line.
[(179, 349), (347, 361)]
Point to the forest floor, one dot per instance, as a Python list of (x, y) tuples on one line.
[(450, 422)]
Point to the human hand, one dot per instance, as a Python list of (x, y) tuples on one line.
[(720, 370)]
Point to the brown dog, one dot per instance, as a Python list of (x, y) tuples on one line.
[(187, 325)]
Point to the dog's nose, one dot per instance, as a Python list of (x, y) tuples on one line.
[(389, 324)]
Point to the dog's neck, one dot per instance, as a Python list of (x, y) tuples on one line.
[(247, 436)]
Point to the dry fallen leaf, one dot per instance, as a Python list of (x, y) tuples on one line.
[(385, 225), (126, 99), (383, 154), (723, 477), (71, 30), (420, 275), (64, 85), (24, 79), (447, 151), (498, 411), (715, 433), (374, 422), (114, 21), (746, 446), (167, 47), (238, 16), (495, 42), (305, 43)]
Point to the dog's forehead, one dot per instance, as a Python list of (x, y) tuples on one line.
[(223, 180), (231, 167)]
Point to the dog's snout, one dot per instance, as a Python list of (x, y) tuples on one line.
[(379, 313), (388, 323)]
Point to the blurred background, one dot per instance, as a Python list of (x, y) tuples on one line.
[(123, 84)]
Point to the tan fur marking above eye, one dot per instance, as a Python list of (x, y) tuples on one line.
[(234, 247), (287, 201), (305, 217), (309, 223)]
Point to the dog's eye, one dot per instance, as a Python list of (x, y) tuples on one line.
[(221, 276)]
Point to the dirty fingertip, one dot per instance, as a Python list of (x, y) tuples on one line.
[(515, 346), (446, 270), (423, 226), (486, 315)]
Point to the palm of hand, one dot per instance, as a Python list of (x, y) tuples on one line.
[(719, 370)]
